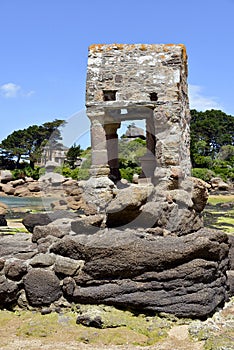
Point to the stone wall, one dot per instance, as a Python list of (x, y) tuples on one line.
[(126, 82)]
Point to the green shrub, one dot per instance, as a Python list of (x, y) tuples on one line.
[(127, 173), (27, 171), (203, 173)]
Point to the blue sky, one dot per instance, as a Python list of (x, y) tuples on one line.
[(44, 47)]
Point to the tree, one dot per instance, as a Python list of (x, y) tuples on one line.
[(226, 153), (210, 130), (72, 155), (28, 143)]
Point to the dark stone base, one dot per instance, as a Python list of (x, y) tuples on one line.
[(131, 269)]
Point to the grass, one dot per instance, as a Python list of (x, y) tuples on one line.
[(215, 199), (120, 327), (220, 217)]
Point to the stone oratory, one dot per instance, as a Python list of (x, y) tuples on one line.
[(134, 82)]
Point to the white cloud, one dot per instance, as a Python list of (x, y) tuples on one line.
[(200, 102), (11, 90)]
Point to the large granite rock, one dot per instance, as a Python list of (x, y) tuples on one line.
[(124, 209), (185, 276), (41, 219), (18, 246), (8, 292), (57, 228), (42, 287)]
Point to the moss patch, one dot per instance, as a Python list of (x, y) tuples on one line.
[(213, 200), (120, 327), (219, 213)]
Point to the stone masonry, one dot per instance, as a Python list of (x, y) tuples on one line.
[(130, 82)]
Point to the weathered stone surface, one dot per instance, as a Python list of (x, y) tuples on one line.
[(42, 287), (73, 189), (218, 184), (125, 207), (199, 194), (89, 321), (230, 275), (180, 275), (42, 260), (6, 176), (51, 178), (7, 189), (29, 179), (34, 187), (173, 216), (58, 228), (74, 205), (17, 182), (231, 251), (2, 263), (43, 244), (21, 191), (87, 225), (98, 192), (41, 219), (18, 246), (15, 269), (67, 266), (8, 292)]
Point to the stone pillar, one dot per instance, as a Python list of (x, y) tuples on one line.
[(112, 150), (100, 165), (150, 136), (148, 161), (169, 141)]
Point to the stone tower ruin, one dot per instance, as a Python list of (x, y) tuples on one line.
[(131, 82)]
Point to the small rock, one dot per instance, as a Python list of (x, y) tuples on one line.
[(8, 292), (67, 266), (34, 187), (90, 321), (22, 191), (46, 311), (42, 260), (15, 269), (87, 225), (7, 189), (3, 221), (6, 176), (16, 183)]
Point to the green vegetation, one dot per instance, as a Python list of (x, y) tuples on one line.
[(73, 153), (219, 213), (212, 144), (27, 144), (129, 157), (119, 327)]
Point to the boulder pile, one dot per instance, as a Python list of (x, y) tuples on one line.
[(139, 247), (185, 276)]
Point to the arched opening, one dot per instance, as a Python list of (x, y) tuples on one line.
[(113, 119)]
